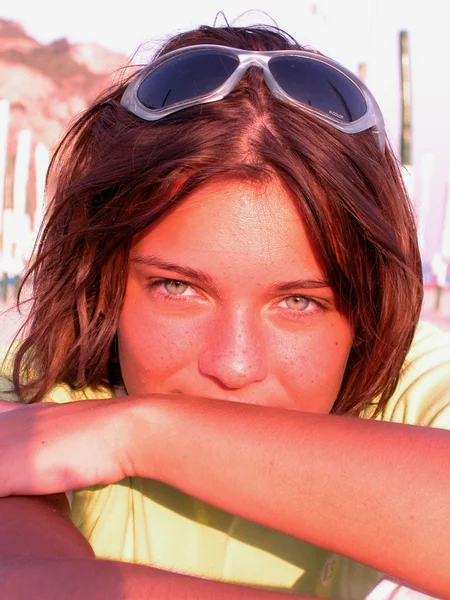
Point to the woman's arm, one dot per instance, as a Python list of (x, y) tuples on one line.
[(89, 579), (43, 554), (376, 492), (37, 527)]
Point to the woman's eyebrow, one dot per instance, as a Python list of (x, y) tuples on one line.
[(160, 263), (202, 277), (304, 284)]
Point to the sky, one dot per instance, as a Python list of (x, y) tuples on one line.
[(350, 31)]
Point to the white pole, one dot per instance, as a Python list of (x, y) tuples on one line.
[(4, 119), (21, 171), (42, 160), (21, 221), (445, 243), (8, 242)]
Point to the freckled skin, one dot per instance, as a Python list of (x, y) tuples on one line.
[(236, 336)]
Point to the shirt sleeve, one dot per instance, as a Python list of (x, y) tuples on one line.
[(6, 386), (60, 393), (422, 396)]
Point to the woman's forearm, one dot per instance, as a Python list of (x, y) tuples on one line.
[(39, 526), (316, 477), (92, 579), (42, 554)]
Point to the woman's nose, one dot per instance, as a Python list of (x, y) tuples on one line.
[(235, 353)]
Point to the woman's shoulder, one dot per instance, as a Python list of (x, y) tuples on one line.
[(429, 340), (59, 393), (6, 366), (422, 395)]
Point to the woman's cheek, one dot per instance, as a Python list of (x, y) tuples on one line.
[(310, 371), (155, 350)]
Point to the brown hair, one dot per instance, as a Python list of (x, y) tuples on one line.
[(115, 174)]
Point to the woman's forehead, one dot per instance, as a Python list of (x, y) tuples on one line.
[(226, 224)]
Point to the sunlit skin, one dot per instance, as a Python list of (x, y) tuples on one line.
[(225, 299)]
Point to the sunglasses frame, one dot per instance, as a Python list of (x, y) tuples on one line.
[(372, 119)]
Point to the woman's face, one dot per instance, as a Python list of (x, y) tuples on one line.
[(225, 299)]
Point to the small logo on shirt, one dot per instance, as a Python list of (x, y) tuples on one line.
[(328, 571)]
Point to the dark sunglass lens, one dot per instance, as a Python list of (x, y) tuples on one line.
[(320, 86), (186, 77)]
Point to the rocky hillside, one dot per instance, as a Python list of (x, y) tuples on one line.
[(47, 85)]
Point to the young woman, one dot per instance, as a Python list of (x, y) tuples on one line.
[(215, 364)]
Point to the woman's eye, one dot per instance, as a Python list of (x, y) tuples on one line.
[(172, 290), (172, 286), (298, 303), (301, 306)]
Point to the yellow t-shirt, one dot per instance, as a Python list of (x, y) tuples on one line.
[(148, 522)]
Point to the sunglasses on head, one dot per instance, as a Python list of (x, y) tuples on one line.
[(206, 73)]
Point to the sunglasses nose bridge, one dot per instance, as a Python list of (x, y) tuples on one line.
[(253, 61), (259, 62)]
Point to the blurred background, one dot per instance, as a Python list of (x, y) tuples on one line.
[(55, 57)]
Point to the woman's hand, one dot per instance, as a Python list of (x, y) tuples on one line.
[(48, 448)]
